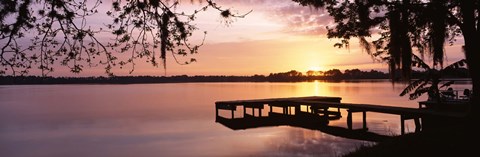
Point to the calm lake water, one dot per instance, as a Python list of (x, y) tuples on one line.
[(151, 120)]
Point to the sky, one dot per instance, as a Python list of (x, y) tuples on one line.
[(277, 36)]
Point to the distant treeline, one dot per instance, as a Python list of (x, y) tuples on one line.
[(333, 74), (290, 76)]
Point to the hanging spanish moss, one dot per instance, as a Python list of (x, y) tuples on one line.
[(406, 48)]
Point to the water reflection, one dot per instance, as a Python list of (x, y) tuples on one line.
[(304, 120), (172, 120), (300, 142)]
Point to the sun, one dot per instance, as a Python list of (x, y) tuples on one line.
[(316, 68)]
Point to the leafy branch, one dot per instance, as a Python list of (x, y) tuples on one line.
[(429, 83), (44, 33)]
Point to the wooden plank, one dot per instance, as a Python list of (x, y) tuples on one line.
[(383, 109), (280, 100), (225, 107), (276, 102), (259, 106), (329, 113), (282, 104)]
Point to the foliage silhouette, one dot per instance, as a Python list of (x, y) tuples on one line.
[(403, 25), (63, 34), (430, 81), (347, 75)]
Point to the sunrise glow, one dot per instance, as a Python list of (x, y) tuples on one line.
[(276, 36), (316, 68), (294, 78)]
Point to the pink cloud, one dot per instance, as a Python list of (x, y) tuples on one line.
[(297, 19), (303, 20)]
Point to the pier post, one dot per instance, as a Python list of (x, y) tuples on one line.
[(271, 110), (365, 120), (297, 109), (402, 124), (325, 112), (418, 126), (253, 111), (244, 111), (259, 112), (233, 116), (349, 119)]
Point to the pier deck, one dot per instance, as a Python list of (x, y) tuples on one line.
[(321, 105)]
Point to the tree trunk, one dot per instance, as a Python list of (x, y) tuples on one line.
[(471, 46), (471, 37), (406, 44)]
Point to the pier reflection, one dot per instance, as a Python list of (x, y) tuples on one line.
[(301, 120)]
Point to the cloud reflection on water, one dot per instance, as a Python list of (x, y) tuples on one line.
[(171, 120)]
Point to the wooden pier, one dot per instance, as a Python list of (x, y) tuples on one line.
[(322, 106)]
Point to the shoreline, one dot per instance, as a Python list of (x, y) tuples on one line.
[(37, 80)]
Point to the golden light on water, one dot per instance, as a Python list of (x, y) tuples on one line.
[(316, 86), (161, 121)]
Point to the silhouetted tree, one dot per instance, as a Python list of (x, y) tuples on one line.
[(402, 25), (294, 73), (314, 73), (333, 73), (41, 33), (354, 73)]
